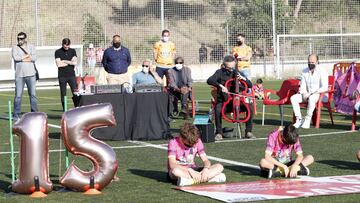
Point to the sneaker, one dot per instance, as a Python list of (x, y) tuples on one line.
[(16, 117), (218, 137), (306, 123), (249, 135), (175, 114), (218, 179), (298, 123), (304, 171), (171, 120), (274, 173), (184, 181)]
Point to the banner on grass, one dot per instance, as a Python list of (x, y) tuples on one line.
[(278, 189)]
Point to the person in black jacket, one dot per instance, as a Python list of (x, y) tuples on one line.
[(218, 79)]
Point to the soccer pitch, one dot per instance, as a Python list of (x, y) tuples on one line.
[(142, 167)]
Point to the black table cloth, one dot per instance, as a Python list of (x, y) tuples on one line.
[(139, 116)]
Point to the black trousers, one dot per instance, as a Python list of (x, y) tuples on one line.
[(218, 117), (63, 81)]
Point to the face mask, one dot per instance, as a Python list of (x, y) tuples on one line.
[(178, 66), (230, 68), (165, 39), (239, 43), (311, 66), (116, 44), (145, 69)]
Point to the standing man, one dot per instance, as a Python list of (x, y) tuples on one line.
[(147, 75), (314, 81), (66, 60), (24, 57), (243, 54), (116, 61), (164, 54)]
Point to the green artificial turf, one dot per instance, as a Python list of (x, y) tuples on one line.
[(142, 171)]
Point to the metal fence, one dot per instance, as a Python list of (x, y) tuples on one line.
[(210, 24)]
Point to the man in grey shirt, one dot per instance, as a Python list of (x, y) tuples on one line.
[(24, 57)]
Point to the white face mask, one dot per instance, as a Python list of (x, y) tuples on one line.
[(165, 39), (145, 69), (178, 66)]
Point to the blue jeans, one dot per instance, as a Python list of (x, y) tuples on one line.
[(30, 82)]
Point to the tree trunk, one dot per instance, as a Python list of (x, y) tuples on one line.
[(286, 3), (297, 9)]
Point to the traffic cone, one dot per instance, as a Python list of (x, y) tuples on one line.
[(38, 192), (92, 188)]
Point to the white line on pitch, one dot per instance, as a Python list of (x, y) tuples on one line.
[(41, 104), (54, 126), (262, 138), (209, 157), (308, 135), (62, 150)]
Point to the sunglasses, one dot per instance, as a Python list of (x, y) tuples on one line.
[(179, 62), (145, 66), (20, 38)]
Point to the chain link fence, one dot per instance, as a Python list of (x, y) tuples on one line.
[(203, 30)]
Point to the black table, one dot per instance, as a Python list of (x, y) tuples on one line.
[(139, 116)]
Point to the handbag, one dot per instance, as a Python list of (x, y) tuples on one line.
[(36, 71)]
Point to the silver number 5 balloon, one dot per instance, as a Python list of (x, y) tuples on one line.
[(34, 153), (76, 125)]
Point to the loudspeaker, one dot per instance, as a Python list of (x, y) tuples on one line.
[(207, 132)]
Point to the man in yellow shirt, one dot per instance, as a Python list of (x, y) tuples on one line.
[(164, 54), (243, 53)]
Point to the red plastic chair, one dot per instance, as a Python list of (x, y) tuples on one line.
[(343, 68), (320, 103), (288, 88)]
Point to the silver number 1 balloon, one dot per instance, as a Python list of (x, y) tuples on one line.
[(76, 125)]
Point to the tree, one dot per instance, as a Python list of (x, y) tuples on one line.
[(93, 31), (297, 8), (254, 19)]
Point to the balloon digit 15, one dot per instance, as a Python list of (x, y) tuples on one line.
[(34, 157), (76, 125)]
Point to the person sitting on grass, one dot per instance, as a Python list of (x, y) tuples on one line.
[(278, 160), (181, 154), (259, 89)]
